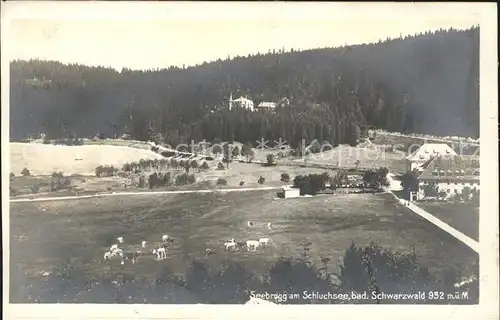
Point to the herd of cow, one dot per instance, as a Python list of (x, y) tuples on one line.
[(115, 252)]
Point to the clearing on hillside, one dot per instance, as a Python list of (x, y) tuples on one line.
[(44, 159)]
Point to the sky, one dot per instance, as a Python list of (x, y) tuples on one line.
[(150, 36)]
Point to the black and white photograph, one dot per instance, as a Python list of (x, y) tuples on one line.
[(249, 156)]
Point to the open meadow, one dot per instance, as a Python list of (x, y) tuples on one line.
[(81, 173), (344, 156), (44, 159), (461, 216), (55, 234)]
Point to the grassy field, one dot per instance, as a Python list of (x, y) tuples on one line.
[(44, 159), (249, 173), (78, 232), (368, 156), (347, 156), (462, 216)]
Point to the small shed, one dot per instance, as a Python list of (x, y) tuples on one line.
[(288, 192)]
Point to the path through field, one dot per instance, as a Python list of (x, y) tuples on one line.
[(474, 245)]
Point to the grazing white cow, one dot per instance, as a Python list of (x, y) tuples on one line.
[(249, 224), (161, 253), (113, 248), (208, 252), (107, 255), (165, 237), (143, 244), (120, 239), (264, 241), (252, 244), (229, 245), (118, 252), (269, 226)]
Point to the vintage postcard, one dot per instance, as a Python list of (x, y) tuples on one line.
[(249, 159)]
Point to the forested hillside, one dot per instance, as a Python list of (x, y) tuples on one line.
[(426, 83)]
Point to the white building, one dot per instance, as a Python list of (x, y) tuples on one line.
[(443, 177), (289, 192), (266, 105), (241, 102), (426, 152)]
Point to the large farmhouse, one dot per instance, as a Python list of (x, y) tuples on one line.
[(426, 152), (445, 177)]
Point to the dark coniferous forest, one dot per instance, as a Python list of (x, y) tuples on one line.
[(427, 83)]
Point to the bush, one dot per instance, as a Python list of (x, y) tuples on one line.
[(270, 160), (167, 179), (261, 180), (153, 180), (35, 189), (235, 152), (378, 178), (105, 171), (297, 275), (220, 166), (230, 283), (311, 184), (185, 179), (242, 183), (59, 182), (375, 268), (127, 167), (142, 182), (194, 164), (25, 172), (285, 177), (205, 166), (57, 175), (221, 182)]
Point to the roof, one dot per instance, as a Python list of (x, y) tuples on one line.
[(242, 99), (451, 168), (265, 104), (428, 149)]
